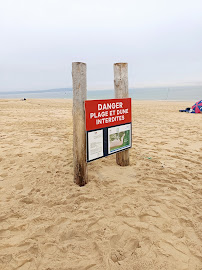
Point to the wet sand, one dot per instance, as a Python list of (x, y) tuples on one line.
[(147, 216)]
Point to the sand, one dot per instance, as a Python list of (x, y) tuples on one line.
[(147, 216)]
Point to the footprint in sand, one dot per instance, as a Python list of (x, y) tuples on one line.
[(117, 255), (3, 175), (19, 186)]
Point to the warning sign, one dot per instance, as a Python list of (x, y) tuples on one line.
[(108, 127), (107, 113)]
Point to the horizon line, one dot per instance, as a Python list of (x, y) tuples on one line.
[(69, 89)]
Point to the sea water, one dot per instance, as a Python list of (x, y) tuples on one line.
[(193, 93)]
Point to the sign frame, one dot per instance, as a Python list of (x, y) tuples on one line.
[(105, 131), (105, 143)]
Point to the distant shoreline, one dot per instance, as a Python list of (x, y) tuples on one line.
[(165, 93), (70, 99), (70, 89)]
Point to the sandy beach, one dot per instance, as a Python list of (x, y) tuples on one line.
[(147, 216)]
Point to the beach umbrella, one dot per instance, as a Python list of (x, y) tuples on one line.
[(197, 107)]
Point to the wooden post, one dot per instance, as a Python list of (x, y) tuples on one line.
[(121, 91), (79, 132)]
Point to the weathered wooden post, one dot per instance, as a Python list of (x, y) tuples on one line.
[(121, 91), (79, 133)]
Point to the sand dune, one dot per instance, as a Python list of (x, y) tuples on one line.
[(147, 216)]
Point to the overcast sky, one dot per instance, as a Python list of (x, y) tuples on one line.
[(160, 39)]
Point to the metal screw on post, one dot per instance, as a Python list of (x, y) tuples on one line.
[(79, 132), (121, 91)]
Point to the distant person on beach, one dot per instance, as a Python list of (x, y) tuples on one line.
[(186, 110)]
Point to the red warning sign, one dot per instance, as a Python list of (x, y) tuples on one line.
[(107, 113)]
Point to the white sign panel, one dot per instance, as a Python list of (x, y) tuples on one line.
[(95, 144)]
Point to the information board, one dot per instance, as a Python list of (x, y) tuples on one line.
[(108, 127), (95, 144)]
